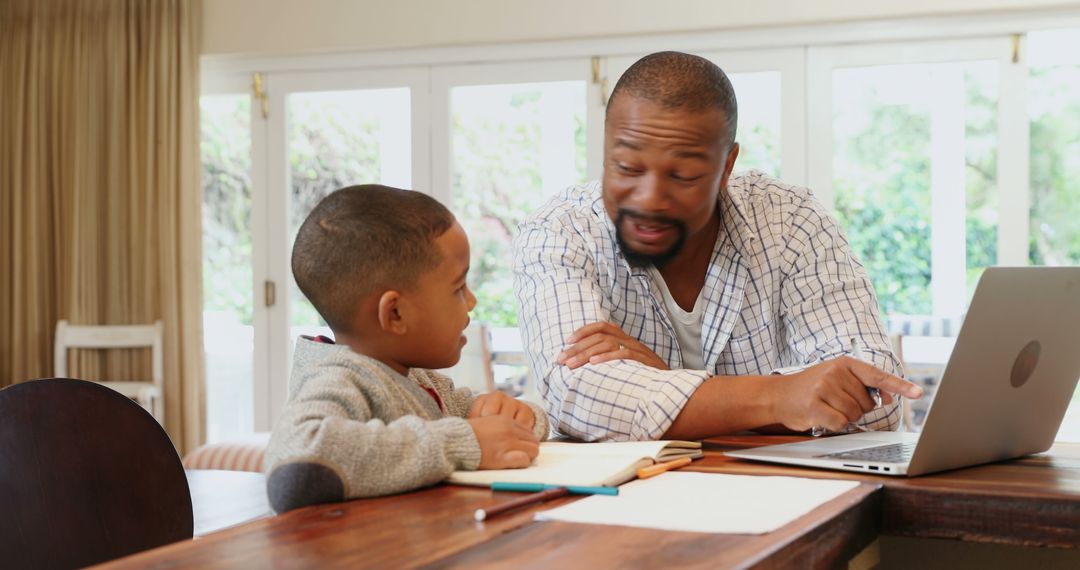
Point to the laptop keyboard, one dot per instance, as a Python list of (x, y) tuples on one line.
[(892, 453)]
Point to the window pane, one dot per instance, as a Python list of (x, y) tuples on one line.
[(338, 139), (980, 159), (513, 146), (758, 134), (906, 137), (227, 279), (1054, 111)]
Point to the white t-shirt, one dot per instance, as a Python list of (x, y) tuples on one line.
[(687, 325)]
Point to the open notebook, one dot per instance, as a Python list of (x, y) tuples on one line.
[(585, 464)]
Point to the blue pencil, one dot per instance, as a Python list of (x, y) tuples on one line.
[(540, 492), (537, 487)]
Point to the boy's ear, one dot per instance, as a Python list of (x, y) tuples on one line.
[(390, 319)]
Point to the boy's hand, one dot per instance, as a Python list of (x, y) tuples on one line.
[(504, 444), (499, 404)]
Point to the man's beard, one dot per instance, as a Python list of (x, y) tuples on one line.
[(636, 259)]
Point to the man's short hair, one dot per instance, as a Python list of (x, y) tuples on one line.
[(676, 80), (362, 239)]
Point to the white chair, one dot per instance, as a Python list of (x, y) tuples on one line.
[(149, 394)]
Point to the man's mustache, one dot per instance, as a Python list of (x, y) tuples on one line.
[(627, 214)]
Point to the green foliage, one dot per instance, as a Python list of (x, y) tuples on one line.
[(883, 202), (330, 147), (497, 182), (981, 141), (758, 150), (882, 187), (883, 194), (226, 181), (1055, 166)]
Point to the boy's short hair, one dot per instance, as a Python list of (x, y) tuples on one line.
[(360, 239)]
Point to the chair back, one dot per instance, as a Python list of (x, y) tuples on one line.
[(86, 476), (150, 392)]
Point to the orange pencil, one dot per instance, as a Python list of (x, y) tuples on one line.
[(646, 472)]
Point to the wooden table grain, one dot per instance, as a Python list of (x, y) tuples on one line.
[(1032, 501)]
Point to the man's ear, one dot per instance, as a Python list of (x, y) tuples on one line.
[(390, 319), (729, 165)]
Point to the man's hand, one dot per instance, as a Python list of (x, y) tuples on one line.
[(499, 404), (833, 393), (504, 444), (601, 342)]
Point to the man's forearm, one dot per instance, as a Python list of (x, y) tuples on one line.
[(725, 405), (830, 394)]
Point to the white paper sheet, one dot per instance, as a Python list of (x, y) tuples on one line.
[(704, 502)]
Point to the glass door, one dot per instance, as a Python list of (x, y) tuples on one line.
[(908, 145), (327, 131), (1053, 59), (510, 137), (271, 148), (905, 147), (229, 307)]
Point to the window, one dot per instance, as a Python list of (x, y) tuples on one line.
[(337, 139), (915, 179), (264, 168), (513, 136), (227, 264), (939, 158), (758, 95), (325, 130), (907, 154), (513, 146), (1054, 114), (1054, 111)]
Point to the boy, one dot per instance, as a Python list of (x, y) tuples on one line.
[(386, 269)]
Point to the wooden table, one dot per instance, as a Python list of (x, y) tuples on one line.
[(1031, 501)]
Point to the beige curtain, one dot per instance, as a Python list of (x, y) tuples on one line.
[(99, 188)]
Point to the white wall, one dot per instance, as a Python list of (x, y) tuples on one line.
[(273, 27)]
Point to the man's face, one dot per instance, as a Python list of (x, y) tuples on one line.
[(663, 171)]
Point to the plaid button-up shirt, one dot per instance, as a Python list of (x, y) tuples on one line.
[(783, 292)]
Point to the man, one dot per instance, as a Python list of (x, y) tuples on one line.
[(672, 300)]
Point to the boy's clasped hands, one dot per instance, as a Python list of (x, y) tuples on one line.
[(503, 427)]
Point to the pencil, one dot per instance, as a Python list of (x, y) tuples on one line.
[(646, 472), (535, 487), (482, 514)]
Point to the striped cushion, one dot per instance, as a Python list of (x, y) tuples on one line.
[(241, 454)]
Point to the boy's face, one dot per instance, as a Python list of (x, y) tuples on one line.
[(436, 335)]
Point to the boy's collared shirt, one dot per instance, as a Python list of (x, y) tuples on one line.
[(783, 292)]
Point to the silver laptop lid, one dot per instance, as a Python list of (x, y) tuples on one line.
[(1011, 374)]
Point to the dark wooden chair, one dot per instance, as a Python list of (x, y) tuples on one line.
[(86, 475)]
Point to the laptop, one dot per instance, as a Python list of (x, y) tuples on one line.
[(1003, 394)]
